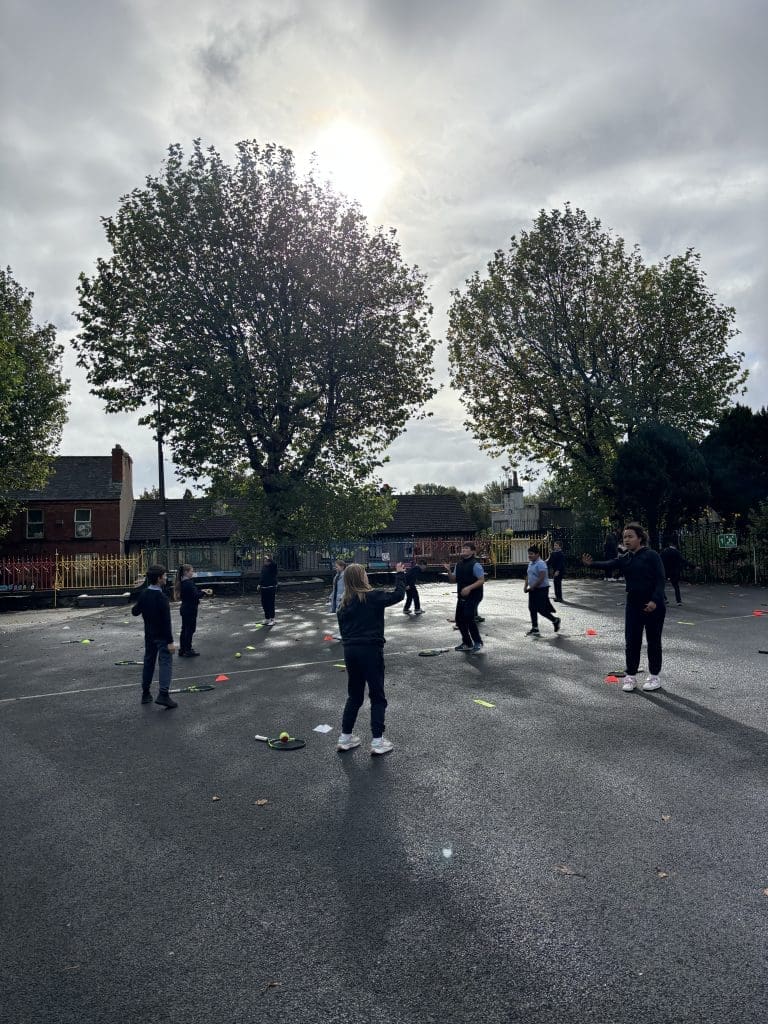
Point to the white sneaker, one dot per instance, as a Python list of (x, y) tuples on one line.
[(348, 742), (652, 683), (630, 683), (381, 746)]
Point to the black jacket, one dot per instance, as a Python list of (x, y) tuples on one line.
[(412, 575), (362, 622), (674, 562), (557, 561), (268, 576), (643, 573), (155, 609), (465, 577), (190, 597)]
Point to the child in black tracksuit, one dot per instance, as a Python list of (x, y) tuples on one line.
[(189, 595), (412, 576), (361, 623), (645, 610), (268, 589), (155, 609)]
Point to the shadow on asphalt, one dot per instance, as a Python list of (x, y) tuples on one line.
[(745, 737)]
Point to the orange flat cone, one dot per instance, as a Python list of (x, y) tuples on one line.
[(327, 637), (755, 612), (611, 679), (591, 632), (221, 679)]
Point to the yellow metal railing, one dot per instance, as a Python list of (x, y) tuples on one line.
[(98, 571), (514, 550)]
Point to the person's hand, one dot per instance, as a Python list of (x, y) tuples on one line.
[(586, 559), (466, 591), (650, 607), (171, 648), (556, 575), (400, 567), (447, 568), (525, 587)]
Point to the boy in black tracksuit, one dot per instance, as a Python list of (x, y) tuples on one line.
[(469, 577), (556, 569), (411, 593), (189, 594), (155, 609), (268, 589), (643, 572), (674, 563), (361, 624)]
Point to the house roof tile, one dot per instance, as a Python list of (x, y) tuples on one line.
[(76, 478), (194, 519), (428, 514)]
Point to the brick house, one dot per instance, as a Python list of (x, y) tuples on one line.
[(198, 532), (84, 509), (430, 526)]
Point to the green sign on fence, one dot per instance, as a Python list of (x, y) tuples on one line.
[(726, 540)]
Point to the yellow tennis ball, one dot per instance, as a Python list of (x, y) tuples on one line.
[(238, 655), (284, 737)]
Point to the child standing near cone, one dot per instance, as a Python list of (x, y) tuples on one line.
[(361, 623)]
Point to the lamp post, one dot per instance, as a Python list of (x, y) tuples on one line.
[(166, 544)]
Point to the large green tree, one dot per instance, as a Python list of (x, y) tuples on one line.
[(736, 453), (33, 407), (660, 479), (570, 342), (282, 333)]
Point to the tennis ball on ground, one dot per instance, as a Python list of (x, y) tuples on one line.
[(238, 655), (284, 737)]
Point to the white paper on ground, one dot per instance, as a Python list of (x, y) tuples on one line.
[(322, 728)]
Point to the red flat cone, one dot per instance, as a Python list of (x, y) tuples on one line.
[(758, 612), (327, 637), (221, 679), (611, 679), (591, 632)]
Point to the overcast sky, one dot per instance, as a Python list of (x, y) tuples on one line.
[(455, 121)]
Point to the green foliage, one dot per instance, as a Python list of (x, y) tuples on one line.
[(280, 330), (152, 493), (33, 407), (736, 454), (318, 512), (758, 529), (570, 344), (660, 479)]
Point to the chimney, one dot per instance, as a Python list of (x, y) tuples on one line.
[(117, 464)]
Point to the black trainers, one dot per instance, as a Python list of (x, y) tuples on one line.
[(146, 697), (533, 632), (556, 622), (165, 700), (193, 653)]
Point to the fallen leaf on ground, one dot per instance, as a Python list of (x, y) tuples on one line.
[(271, 984), (261, 803), (765, 892), (565, 869), (666, 817), (215, 798), (662, 874)]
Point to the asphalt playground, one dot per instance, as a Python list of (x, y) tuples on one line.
[(560, 852)]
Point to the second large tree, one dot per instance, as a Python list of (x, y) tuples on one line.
[(570, 343), (286, 340)]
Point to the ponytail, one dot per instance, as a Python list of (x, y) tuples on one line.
[(177, 582)]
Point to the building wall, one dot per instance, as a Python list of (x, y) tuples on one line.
[(59, 530)]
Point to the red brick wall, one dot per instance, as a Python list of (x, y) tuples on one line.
[(105, 530)]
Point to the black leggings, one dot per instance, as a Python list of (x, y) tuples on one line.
[(268, 601), (636, 620), (188, 627), (365, 664)]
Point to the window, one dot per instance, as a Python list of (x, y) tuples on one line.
[(35, 524), (82, 523)]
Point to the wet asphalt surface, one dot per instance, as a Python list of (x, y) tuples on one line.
[(572, 853)]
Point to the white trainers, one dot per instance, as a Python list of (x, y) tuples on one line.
[(629, 684), (381, 746), (652, 683), (348, 742)]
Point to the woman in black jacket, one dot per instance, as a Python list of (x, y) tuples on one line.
[(643, 572), (361, 623)]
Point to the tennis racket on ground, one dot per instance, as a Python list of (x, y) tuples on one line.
[(291, 743), (193, 688)]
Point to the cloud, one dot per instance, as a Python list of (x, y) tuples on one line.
[(649, 116)]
